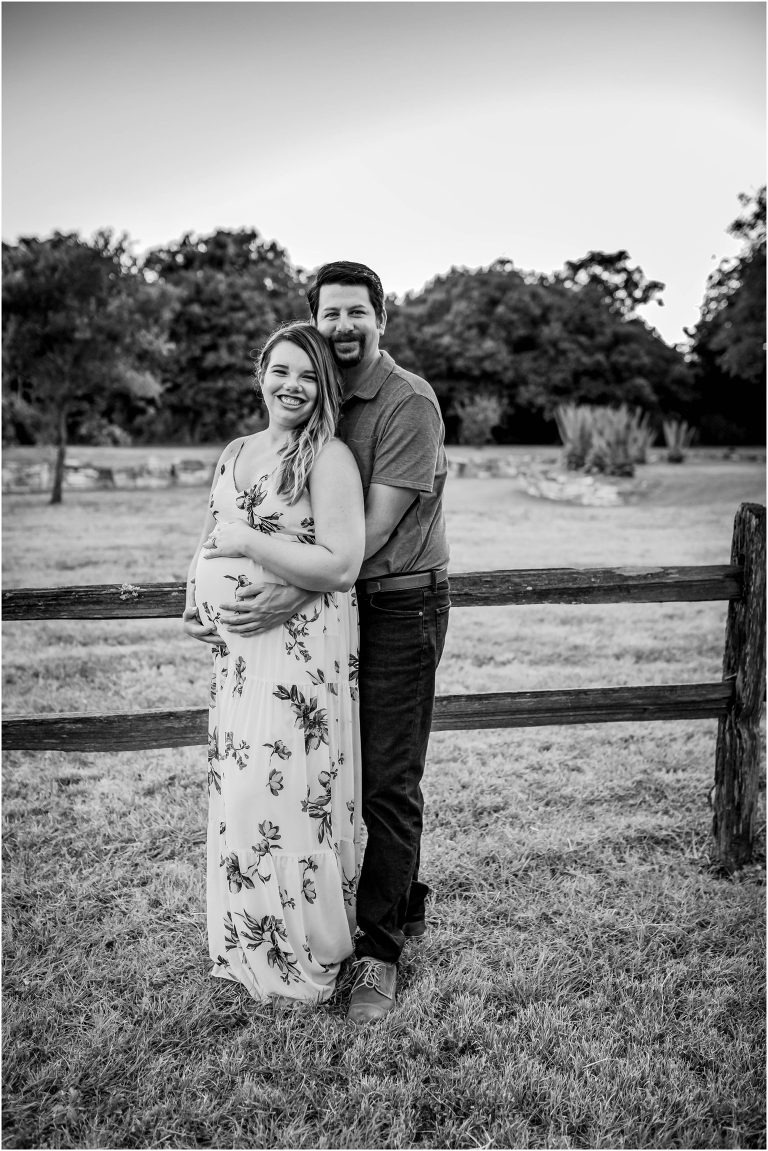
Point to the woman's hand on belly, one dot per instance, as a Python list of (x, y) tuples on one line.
[(229, 540), (195, 628)]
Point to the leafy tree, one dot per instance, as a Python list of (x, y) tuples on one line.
[(538, 341), (728, 343), (82, 330), (609, 275), (232, 290)]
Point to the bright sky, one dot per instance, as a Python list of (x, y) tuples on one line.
[(409, 136)]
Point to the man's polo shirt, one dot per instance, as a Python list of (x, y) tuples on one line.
[(393, 427)]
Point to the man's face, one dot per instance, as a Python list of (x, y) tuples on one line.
[(346, 318)]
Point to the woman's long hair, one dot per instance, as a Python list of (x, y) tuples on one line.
[(300, 454)]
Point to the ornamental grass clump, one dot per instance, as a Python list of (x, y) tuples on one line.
[(575, 423), (678, 436), (609, 454), (642, 435), (602, 439)]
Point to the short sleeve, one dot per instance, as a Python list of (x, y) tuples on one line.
[(407, 451)]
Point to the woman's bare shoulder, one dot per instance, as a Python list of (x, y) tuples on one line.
[(334, 463), (335, 451), (232, 448)]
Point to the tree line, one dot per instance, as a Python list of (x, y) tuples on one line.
[(100, 346)]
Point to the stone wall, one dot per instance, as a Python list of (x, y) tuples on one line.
[(22, 476)]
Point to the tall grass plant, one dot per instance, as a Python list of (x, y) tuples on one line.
[(607, 440), (678, 437)]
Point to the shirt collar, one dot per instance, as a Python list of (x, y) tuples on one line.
[(369, 385)]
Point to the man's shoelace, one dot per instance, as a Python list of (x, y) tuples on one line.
[(368, 976)]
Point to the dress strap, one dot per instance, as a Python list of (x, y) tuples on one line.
[(233, 459)]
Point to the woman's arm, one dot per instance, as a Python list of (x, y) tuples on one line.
[(191, 620), (334, 561)]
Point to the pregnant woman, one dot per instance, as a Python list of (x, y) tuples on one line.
[(286, 506)]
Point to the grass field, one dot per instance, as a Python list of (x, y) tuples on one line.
[(589, 980)]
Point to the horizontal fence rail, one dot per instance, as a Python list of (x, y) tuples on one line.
[(736, 701), (132, 731), (468, 589), (159, 728)]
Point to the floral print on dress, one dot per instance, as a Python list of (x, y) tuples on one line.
[(275, 781), (287, 900), (253, 498), (239, 751), (349, 887), (279, 749), (318, 677), (240, 580), (308, 535), (239, 670), (298, 628), (214, 773), (214, 615), (230, 932), (269, 837), (309, 717), (319, 807), (308, 889), (270, 929), (235, 877)]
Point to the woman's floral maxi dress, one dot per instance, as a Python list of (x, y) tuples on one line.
[(283, 770)]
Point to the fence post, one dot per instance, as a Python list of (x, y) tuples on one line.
[(737, 758)]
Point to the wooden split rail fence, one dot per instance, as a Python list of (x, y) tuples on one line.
[(736, 701)]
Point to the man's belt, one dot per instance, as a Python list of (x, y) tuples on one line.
[(403, 582)]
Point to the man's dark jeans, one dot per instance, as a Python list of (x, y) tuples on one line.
[(402, 634)]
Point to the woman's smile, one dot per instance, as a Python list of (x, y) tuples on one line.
[(291, 401)]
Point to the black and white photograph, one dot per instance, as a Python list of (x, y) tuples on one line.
[(384, 574)]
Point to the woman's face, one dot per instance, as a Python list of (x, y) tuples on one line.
[(289, 386)]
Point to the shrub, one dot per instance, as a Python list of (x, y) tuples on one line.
[(99, 431), (22, 423), (478, 413)]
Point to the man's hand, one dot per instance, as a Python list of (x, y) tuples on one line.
[(260, 607), (193, 626)]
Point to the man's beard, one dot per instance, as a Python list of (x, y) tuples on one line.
[(351, 359)]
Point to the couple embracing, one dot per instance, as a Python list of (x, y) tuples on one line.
[(320, 582)]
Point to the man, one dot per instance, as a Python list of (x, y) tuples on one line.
[(392, 424)]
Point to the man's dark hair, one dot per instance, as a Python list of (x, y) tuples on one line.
[(345, 272)]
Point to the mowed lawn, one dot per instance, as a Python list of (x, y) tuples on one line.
[(589, 979)]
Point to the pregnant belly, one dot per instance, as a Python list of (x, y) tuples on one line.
[(217, 580)]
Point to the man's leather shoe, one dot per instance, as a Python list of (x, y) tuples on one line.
[(373, 990), (416, 929)]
